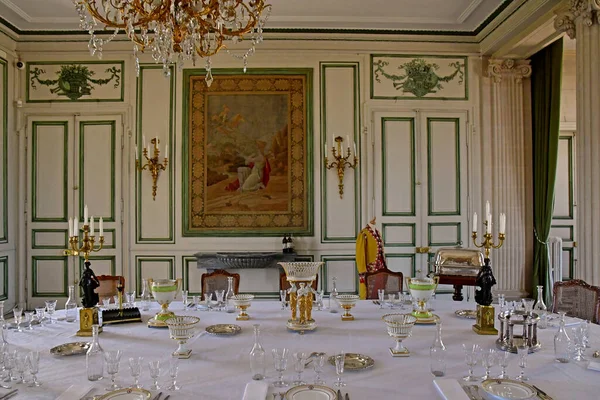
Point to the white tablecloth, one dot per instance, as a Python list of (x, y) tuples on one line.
[(219, 367)]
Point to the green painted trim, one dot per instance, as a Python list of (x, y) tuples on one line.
[(309, 189), (113, 263), (571, 252), (113, 199), (34, 276), (139, 238), (34, 168), (324, 269), (185, 273), (413, 258), (325, 238), (430, 225), (569, 140), (571, 231), (113, 232), (413, 241), (62, 246), (372, 84), (4, 150), (456, 121), (384, 173), (151, 259), (4, 263), (27, 89)]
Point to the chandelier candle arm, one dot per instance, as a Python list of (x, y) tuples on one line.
[(340, 161)]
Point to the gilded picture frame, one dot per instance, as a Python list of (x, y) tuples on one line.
[(247, 164)]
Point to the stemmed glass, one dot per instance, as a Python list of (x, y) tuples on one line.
[(578, 343), (503, 359), (319, 300), (18, 314), (106, 302), (528, 305), (471, 357), (40, 312), (282, 297), (340, 359), (381, 296), (112, 359), (208, 300), (280, 357), (401, 300), (154, 367), (488, 359), (50, 308), (185, 299), (3, 358), (135, 368), (196, 300), (318, 363), (391, 299), (20, 366), (219, 295), (28, 316), (173, 369), (501, 301), (522, 351), (9, 364), (130, 298), (300, 358), (33, 362)]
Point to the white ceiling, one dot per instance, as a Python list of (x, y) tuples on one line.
[(397, 15)]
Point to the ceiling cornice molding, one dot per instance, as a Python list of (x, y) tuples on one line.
[(468, 11)]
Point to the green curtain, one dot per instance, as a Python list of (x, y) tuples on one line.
[(546, 77)]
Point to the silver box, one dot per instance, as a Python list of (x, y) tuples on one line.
[(458, 261)]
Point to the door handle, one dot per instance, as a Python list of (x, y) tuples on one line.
[(422, 250)]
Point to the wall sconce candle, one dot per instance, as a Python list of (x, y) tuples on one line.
[(340, 161), (152, 164)]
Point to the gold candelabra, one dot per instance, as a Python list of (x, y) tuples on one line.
[(88, 241), (152, 164), (341, 161), (488, 240)]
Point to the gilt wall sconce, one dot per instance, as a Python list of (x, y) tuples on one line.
[(340, 161), (152, 163)]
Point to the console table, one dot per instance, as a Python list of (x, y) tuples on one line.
[(243, 260)]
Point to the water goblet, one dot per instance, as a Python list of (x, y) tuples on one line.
[(135, 368), (522, 351), (340, 359), (401, 300), (28, 319), (112, 359), (488, 360), (208, 301), (9, 364), (106, 302), (501, 301), (381, 296), (528, 305), (20, 366), (280, 357), (33, 363), (578, 343), (39, 314), (503, 360), (185, 299), (3, 352), (300, 358), (283, 297), (219, 295), (585, 326), (318, 363), (319, 299), (391, 300), (154, 367), (116, 299), (50, 308), (130, 299), (173, 369), (471, 358), (18, 314)]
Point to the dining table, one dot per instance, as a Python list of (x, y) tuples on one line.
[(219, 367)]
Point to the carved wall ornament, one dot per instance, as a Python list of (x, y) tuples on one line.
[(499, 68), (588, 11)]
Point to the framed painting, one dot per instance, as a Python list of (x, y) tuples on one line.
[(247, 168)]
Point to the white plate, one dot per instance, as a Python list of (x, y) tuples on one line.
[(507, 389), (127, 394), (310, 392)]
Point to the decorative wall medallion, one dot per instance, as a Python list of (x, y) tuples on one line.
[(51, 82), (418, 77)]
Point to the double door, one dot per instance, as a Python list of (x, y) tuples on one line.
[(72, 161), (420, 185)]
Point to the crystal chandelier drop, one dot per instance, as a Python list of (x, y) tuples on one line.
[(176, 30)]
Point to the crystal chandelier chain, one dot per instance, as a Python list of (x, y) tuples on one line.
[(175, 31)]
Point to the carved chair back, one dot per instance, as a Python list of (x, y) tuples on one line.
[(389, 281), (217, 280), (108, 285), (577, 299)]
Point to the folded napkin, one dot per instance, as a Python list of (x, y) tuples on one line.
[(256, 390), (450, 389), (75, 392), (594, 365)]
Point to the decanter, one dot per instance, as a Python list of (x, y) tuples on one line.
[(71, 306), (229, 306), (333, 296), (257, 357), (94, 359), (437, 352), (562, 342), (145, 296), (540, 309)]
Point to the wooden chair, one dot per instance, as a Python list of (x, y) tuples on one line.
[(285, 285), (389, 281), (108, 285), (577, 299), (217, 280)]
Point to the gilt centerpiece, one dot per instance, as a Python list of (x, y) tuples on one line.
[(399, 326), (301, 275), (421, 290), (182, 328), (347, 301), (164, 291), (242, 302)]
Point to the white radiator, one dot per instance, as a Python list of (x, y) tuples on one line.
[(555, 255)]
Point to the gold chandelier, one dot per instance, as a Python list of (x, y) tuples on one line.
[(177, 30)]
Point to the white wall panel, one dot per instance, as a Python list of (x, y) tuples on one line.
[(443, 153), (344, 270), (50, 276), (3, 153), (563, 193), (153, 267), (397, 145)]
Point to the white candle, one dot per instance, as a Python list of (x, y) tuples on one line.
[(101, 226), (85, 215), (135, 152), (325, 147), (92, 226), (76, 227), (166, 151), (502, 228), (144, 140), (354, 143), (488, 227), (474, 222), (70, 227), (487, 208)]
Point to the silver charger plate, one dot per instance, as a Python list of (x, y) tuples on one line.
[(508, 389), (467, 314), (70, 349), (127, 394), (310, 392), (355, 362), (224, 329)]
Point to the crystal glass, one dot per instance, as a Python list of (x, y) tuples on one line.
[(196, 300), (3, 357), (562, 341), (18, 315), (112, 359), (300, 358), (319, 300), (116, 299), (173, 370), (135, 368), (333, 293), (28, 317), (20, 366), (501, 301), (106, 302), (437, 353), (9, 363), (185, 298), (318, 363), (340, 359), (391, 300), (578, 346), (528, 305), (229, 306), (145, 296), (130, 299), (280, 357), (472, 354), (40, 314), (94, 358), (208, 301), (50, 308), (257, 357), (154, 367), (540, 308), (283, 297), (585, 328), (401, 298), (522, 351), (71, 306), (503, 360), (488, 360), (33, 363), (381, 297), (219, 296)]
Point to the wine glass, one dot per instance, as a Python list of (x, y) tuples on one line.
[(3, 357), (135, 368), (501, 301), (318, 363), (154, 367), (208, 300), (20, 366), (130, 298), (488, 359), (50, 308), (28, 319), (9, 364), (106, 302), (173, 370), (522, 351), (18, 314), (196, 300), (112, 359), (503, 360), (471, 358), (33, 362), (319, 300), (528, 305), (300, 358), (391, 299), (40, 314), (381, 296), (280, 357), (220, 295), (340, 359), (185, 298)]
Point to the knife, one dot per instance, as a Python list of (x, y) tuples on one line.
[(157, 397), (540, 391), (347, 397), (339, 395), (9, 394)]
